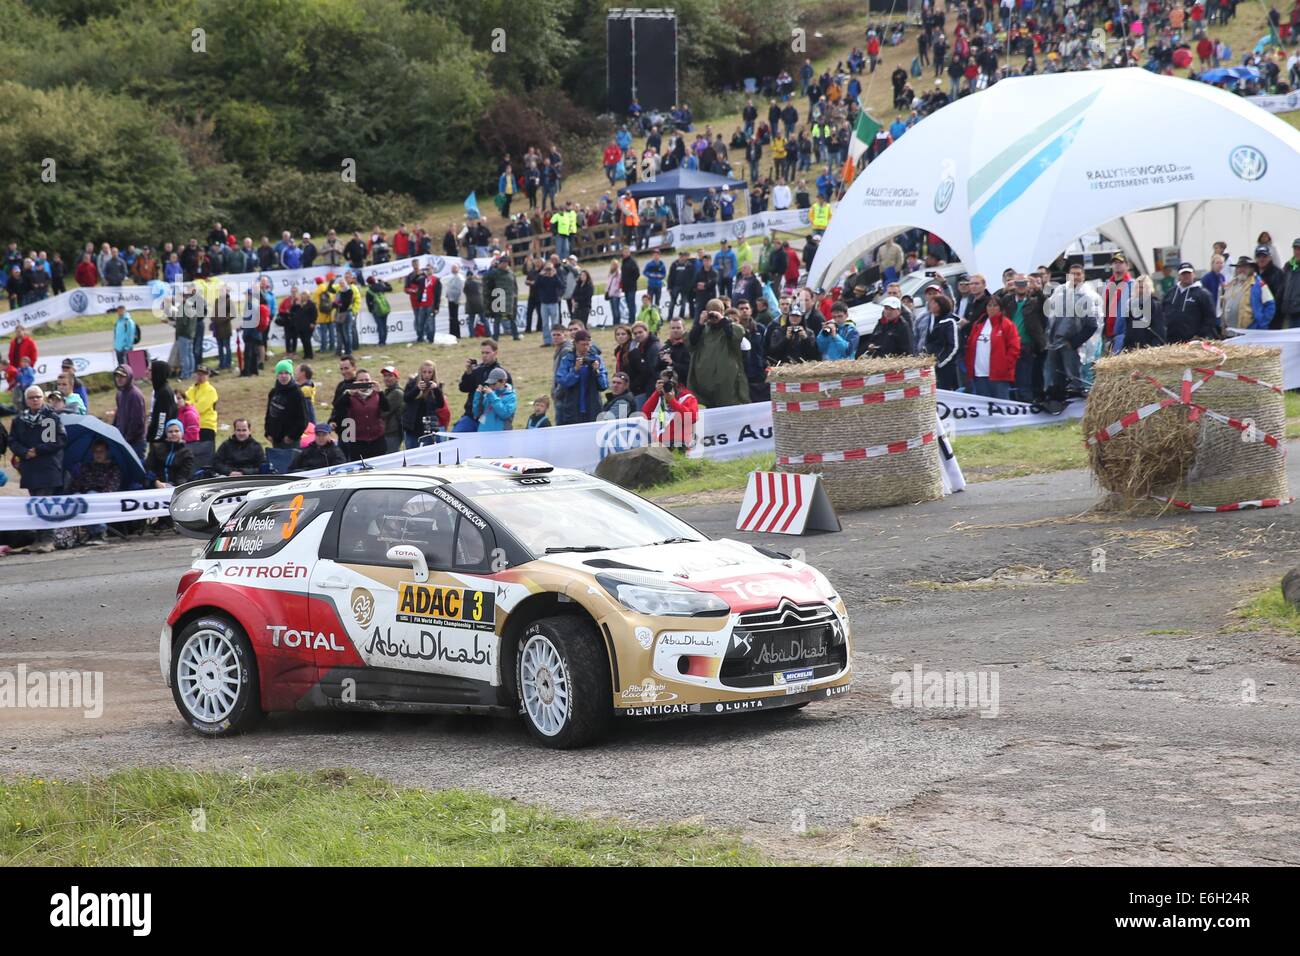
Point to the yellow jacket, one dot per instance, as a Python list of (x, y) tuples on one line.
[(203, 396)]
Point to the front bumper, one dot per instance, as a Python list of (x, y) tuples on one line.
[(735, 705)]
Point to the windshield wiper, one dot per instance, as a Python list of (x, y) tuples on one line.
[(576, 547), (677, 541)]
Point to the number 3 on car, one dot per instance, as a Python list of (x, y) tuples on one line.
[(501, 587)]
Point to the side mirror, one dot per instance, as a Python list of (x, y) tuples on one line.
[(413, 556)]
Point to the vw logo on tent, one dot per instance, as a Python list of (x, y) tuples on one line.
[(943, 195), (1248, 163), (78, 301)]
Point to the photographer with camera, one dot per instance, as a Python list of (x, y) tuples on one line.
[(717, 371), (359, 416), (790, 341), (672, 411), (476, 374), (424, 407), (580, 380)]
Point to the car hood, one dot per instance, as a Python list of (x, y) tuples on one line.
[(740, 574)]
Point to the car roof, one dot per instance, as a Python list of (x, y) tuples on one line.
[(409, 476)]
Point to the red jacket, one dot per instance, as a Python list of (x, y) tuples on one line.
[(401, 244), (612, 154), (1004, 353), (16, 352), (792, 266), (683, 408), (86, 274)]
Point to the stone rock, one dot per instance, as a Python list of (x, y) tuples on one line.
[(1291, 587), (1125, 658), (1202, 669), (637, 467)]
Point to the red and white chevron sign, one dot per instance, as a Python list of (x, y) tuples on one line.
[(779, 502)]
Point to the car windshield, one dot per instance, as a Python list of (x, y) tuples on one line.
[(579, 516)]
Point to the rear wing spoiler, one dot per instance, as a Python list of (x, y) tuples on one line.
[(199, 508)]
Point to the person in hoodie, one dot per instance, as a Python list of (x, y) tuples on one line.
[(1189, 310), (286, 418), (717, 371), (170, 462), (240, 454), (495, 403), (129, 416), (163, 407)]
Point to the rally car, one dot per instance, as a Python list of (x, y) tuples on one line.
[(490, 586)]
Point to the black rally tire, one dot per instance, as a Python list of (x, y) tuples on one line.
[(589, 709), (246, 709)]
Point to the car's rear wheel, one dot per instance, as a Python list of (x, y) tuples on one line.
[(214, 677), (563, 679)]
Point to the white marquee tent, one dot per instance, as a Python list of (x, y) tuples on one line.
[(1010, 176)]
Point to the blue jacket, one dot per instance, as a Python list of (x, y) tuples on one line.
[(580, 387), (725, 263), (495, 410), (654, 272), (833, 346), (624, 139), (124, 333), (1261, 312)]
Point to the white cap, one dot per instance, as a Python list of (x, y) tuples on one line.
[(890, 302), (306, 235)]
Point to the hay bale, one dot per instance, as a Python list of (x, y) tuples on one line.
[(899, 478), (1171, 455)]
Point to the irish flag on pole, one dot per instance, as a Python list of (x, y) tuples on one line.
[(863, 133)]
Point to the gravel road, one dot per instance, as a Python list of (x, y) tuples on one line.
[(1136, 722)]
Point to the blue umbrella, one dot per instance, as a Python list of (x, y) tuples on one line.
[(83, 431)]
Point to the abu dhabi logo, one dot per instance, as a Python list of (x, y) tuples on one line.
[(1248, 163), (78, 302), (947, 186), (58, 508)]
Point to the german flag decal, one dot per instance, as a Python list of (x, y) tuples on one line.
[(425, 604)]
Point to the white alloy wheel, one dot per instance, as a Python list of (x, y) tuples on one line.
[(208, 675), (544, 685)]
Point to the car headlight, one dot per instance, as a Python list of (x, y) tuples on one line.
[(658, 597)]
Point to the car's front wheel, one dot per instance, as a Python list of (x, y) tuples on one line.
[(563, 678), (214, 677)]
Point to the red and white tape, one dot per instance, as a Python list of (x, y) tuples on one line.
[(871, 398), (1234, 506), (857, 454), (885, 378)]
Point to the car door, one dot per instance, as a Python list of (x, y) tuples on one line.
[(391, 580)]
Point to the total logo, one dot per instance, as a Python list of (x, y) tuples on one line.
[(284, 636)]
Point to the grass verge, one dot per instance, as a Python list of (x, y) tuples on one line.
[(171, 817), (1021, 451), (1269, 608), (697, 476)]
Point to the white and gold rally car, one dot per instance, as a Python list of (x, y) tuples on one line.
[(492, 586)]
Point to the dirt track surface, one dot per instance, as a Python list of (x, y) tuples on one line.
[(1124, 731)]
